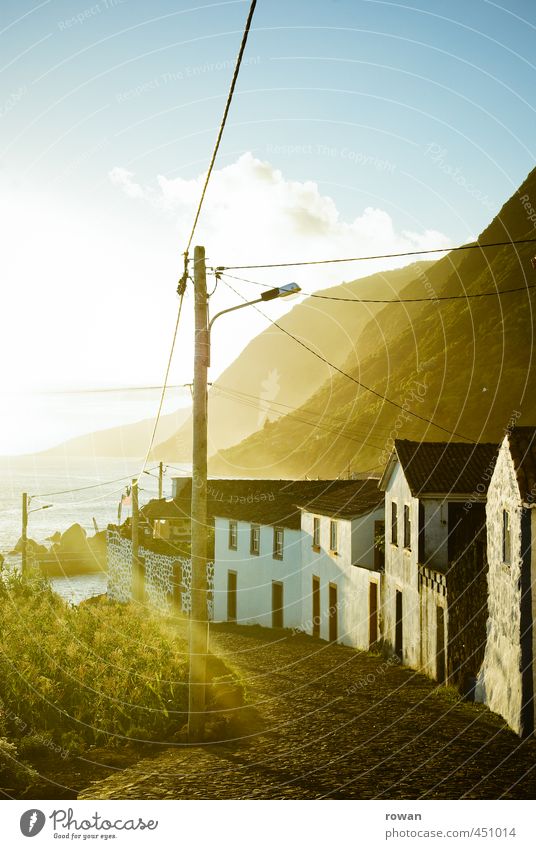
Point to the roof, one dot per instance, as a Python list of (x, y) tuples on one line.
[(444, 468), (266, 502), (522, 442), (356, 498)]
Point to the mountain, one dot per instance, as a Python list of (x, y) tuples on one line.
[(273, 371), (451, 369), (129, 440)]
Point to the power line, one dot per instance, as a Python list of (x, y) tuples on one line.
[(332, 421), (470, 247), (164, 387), (315, 425), (224, 118), (183, 281), (354, 379), (81, 488), (394, 300)]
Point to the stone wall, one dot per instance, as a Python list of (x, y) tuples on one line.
[(499, 681), (160, 576)]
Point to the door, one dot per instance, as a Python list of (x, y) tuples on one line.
[(277, 604), (440, 644), (399, 645), (333, 611), (373, 613), (316, 606), (231, 596), (379, 546)]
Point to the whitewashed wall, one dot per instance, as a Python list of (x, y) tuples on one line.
[(499, 680), (433, 595), (255, 574), (401, 571), (355, 545)]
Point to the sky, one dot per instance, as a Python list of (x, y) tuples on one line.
[(357, 127)]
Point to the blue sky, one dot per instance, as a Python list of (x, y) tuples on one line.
[(423, 115)]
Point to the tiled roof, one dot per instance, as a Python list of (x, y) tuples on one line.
[(354, 499), (267, 502), (457, 468), (522, 441)]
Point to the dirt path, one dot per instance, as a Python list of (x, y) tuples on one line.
[(340, 724)]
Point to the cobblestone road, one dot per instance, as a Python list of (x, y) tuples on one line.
[(335, 723)]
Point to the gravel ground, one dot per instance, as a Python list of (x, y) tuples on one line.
[(326, 721)]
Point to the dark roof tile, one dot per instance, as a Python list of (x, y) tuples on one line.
[(457, 468)]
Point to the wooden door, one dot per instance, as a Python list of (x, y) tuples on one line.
[(231, 596), (373, 613), (399, 643), (333, 614), (316, 606), (440, 644), (277, 604)]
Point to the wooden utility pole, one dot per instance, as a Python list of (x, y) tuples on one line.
[(160, 479), (198, 614), (137, 583), (24, 536)]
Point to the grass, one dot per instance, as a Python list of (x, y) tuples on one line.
[(98, 675)]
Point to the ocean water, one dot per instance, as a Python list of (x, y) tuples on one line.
[(45, 480)]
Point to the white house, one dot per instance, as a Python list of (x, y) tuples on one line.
[(266, 566), (506, 680), (433, 491), (342, 564)]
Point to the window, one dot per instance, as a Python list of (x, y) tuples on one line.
[(233, 536), (407, 527), (333, 536), (255, 540), (278, 543), (394, 523), (507, 538), (316, 532)]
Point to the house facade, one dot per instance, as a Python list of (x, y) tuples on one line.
[(426, 487), (342, 565), (303, 558), (506, 681)]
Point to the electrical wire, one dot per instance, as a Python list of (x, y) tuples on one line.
[(164, 387), (314, 425), (331, 421), (470, 247), (81, 488), (434, 298), (224, 118), (354, 379)]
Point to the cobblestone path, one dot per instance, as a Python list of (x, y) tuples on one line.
[(335, 723)]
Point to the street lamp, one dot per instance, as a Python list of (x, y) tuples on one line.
[(24, 538), (269, 295), (198, 648)]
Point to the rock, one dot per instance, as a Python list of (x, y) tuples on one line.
[(74, 541)]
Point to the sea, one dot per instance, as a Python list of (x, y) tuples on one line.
[(48, 481)]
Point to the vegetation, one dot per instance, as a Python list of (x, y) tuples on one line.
[(101, 674), (465, 364)]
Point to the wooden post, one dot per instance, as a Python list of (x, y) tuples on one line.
[(137, 579), (198, 614), (24, 536), (160, 479)]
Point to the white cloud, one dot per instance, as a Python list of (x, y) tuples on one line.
[(253, 214)]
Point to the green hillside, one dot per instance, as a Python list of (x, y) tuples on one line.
[(273, 368), (466, 364)]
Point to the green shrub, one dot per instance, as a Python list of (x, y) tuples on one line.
[(86, 675)]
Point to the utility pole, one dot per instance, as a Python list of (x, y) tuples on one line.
[(137, 589), (24, 536), (198, 614), (160, 479)]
